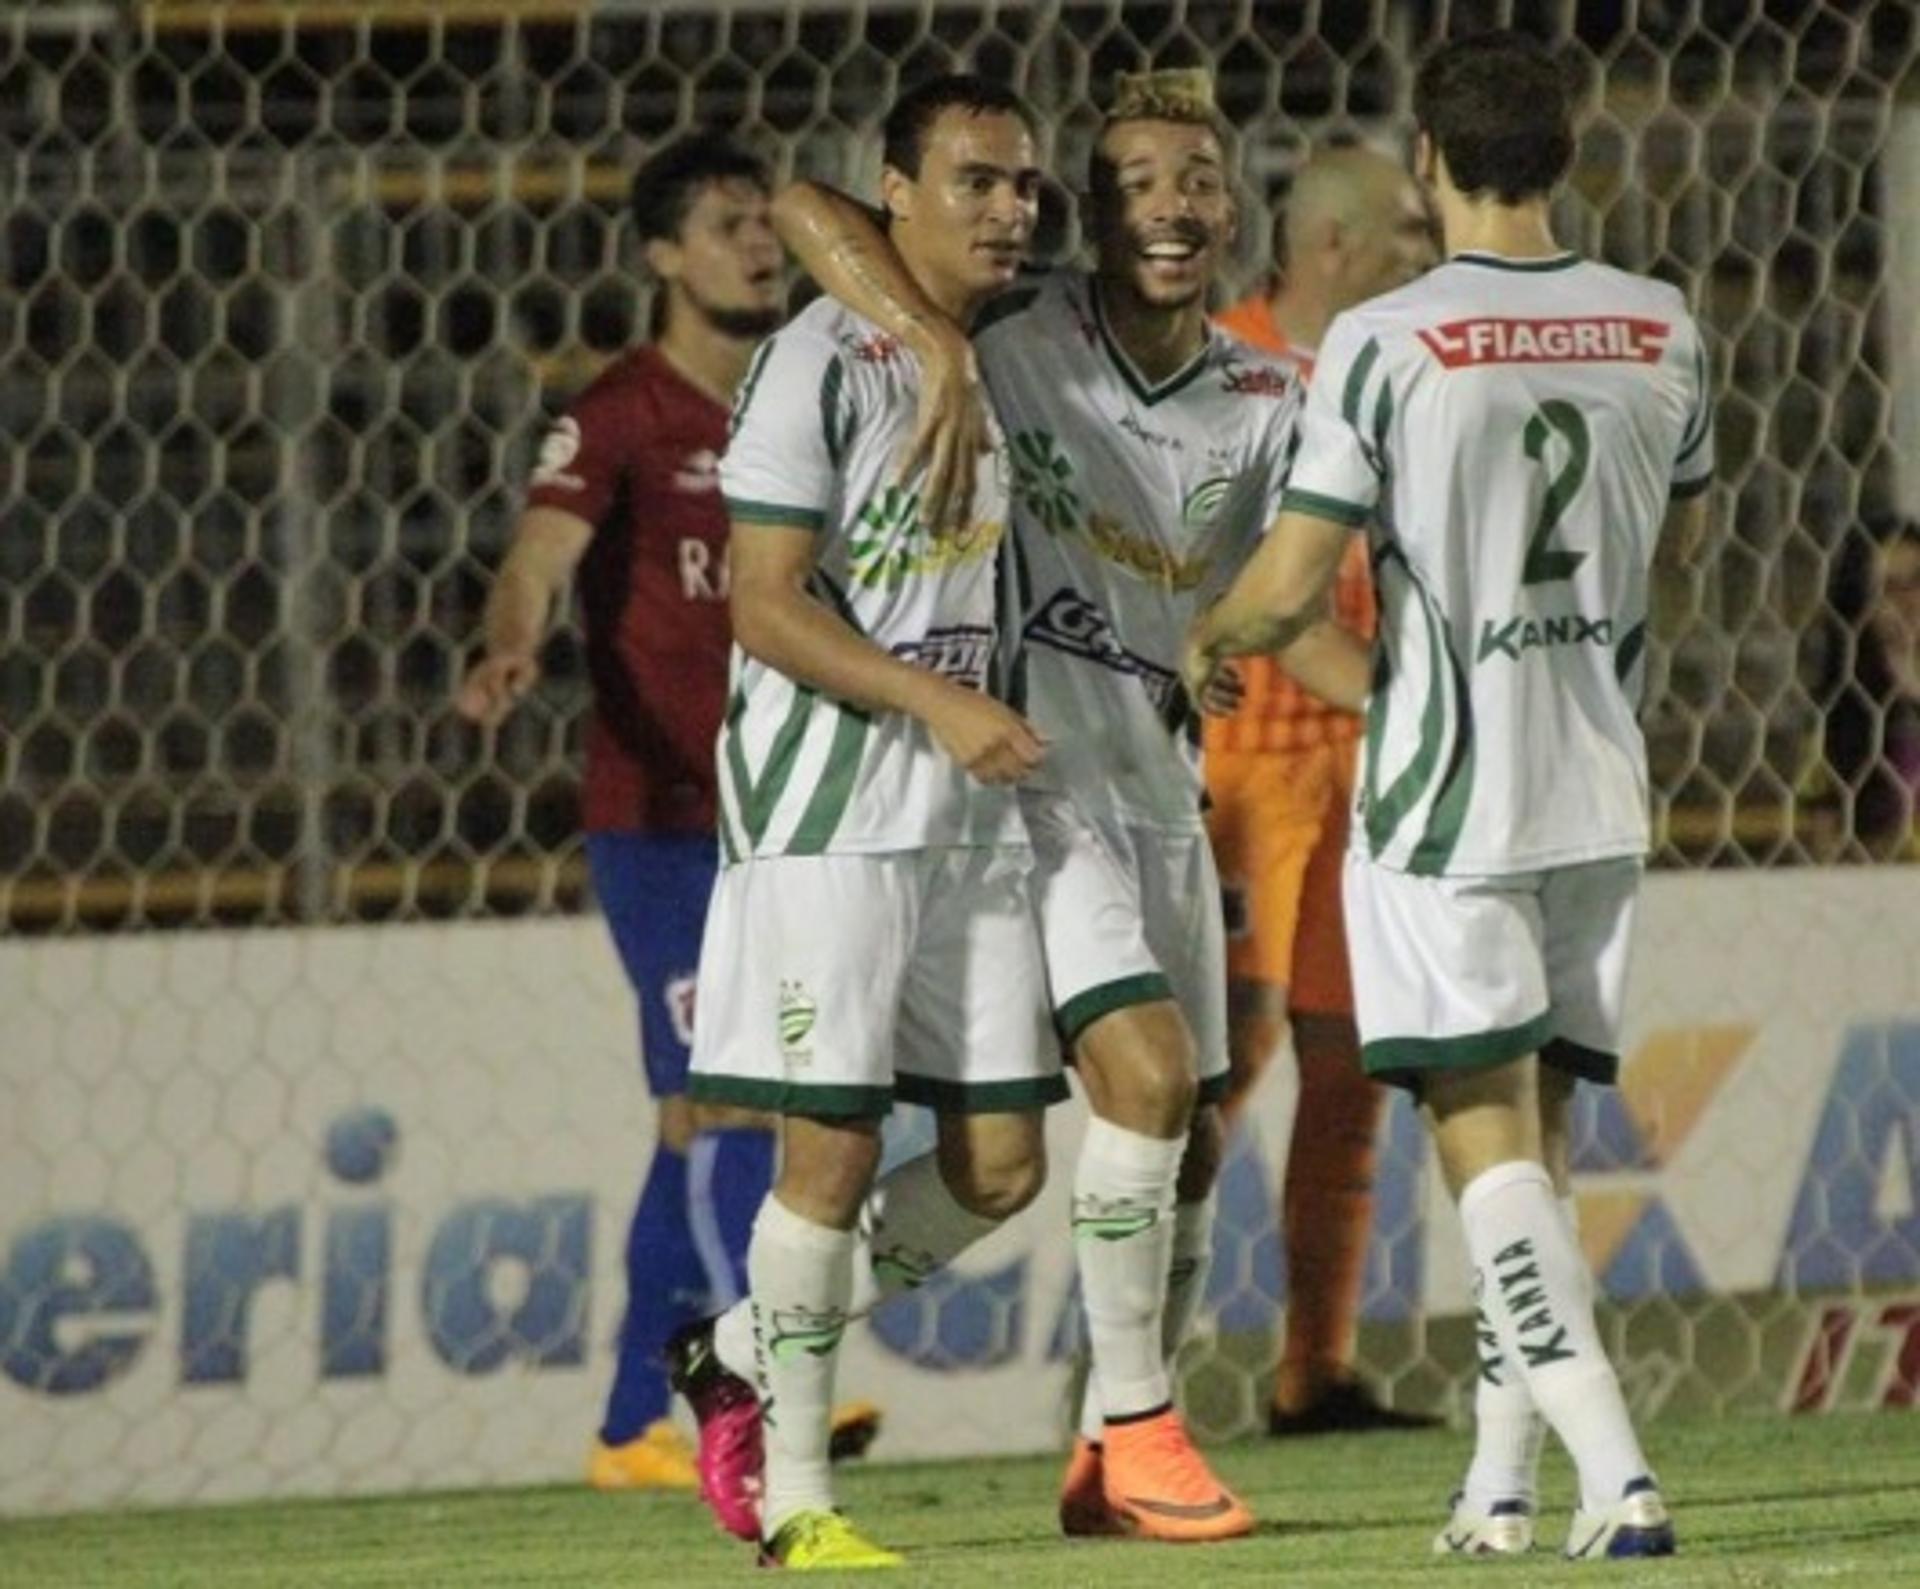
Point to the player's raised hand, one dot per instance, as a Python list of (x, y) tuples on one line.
[(990, 739), (495, 685), (953, 427)]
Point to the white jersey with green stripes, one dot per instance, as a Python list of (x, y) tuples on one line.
[(1134, 502), (1512, 431), (821, 417)]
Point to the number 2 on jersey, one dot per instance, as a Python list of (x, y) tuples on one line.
[(1547, 562)]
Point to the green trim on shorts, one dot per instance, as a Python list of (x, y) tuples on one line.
[(828, 1101), (1576, 1059), (981, 1097), (1083, 1009), (1399, 1061), (1213, 1089)]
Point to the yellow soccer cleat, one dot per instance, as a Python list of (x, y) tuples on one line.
[(823, 1542), (660, 1459)]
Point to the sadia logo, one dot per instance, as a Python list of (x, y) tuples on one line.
[(798, 1011), (1204, 501)]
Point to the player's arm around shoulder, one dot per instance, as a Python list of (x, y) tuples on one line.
[(841, 245)]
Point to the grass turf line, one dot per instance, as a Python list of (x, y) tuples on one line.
[(1760, 1502)]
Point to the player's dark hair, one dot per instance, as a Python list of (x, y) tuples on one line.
[(1500, 108), (669, 184), (904, 133)]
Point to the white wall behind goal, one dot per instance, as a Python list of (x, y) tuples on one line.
[(342, 1210)]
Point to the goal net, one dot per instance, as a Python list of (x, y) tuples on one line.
[(319, 1111)]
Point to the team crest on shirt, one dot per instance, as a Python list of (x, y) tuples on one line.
[(558, 448), (797, 1013), (1204, 501)]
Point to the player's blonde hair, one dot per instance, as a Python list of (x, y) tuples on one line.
[(1179, 94)]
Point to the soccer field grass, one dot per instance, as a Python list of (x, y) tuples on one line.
[(1759, 1502)]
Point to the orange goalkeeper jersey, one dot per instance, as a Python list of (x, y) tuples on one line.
[(1277, 715)]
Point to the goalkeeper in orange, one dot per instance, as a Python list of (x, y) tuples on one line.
[(1280, 774)]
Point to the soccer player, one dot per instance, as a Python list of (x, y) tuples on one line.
[(1523, 430), (626, 492), (872, 931), (1280, 772), (1148, 452)]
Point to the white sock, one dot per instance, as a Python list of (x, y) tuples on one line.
[(913, 1226), (1187, 1275), (1508, 1431), (1536, 1294), (733, 1340), (1123, 1241), (801, 1276)]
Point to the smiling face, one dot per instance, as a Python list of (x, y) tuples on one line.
[(1162, 208), (965, 221)]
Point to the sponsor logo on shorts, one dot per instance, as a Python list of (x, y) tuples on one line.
[(796, 1016), (679, 1001), (1071, 623)]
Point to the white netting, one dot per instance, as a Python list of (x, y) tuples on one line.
[(284, 289)]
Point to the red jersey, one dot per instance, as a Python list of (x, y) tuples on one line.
[(637, 456)]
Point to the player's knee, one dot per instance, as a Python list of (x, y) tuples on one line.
[(995, 1179), (826, 1169), (998, 1191), (1141, 1067)]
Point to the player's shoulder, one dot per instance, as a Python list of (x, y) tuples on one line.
[(1245, 369), (631, 377), (1040, 304)]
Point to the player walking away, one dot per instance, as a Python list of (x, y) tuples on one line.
[(1515, 426), (872, 932), (1148, 453), (1280, 772), (627, 492)]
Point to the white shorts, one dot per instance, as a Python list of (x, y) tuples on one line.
[(1455, 972), (1129, 915), (831, 985)]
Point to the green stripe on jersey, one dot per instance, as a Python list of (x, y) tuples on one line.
[(1403, 794), (781, 515), (828, 803), (1357, 381), (758, 800), (836, 414), (1313, 503), (1449, 814), (749, 385)]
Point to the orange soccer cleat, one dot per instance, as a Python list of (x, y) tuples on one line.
[(1084, 1512), (1160, 1487)]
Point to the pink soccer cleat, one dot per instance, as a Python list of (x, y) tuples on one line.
[(731, 1455)]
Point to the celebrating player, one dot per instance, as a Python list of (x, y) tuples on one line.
[(1280, 771), (872, 934), (626, 491), (1516, 426), (1148, 452)]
